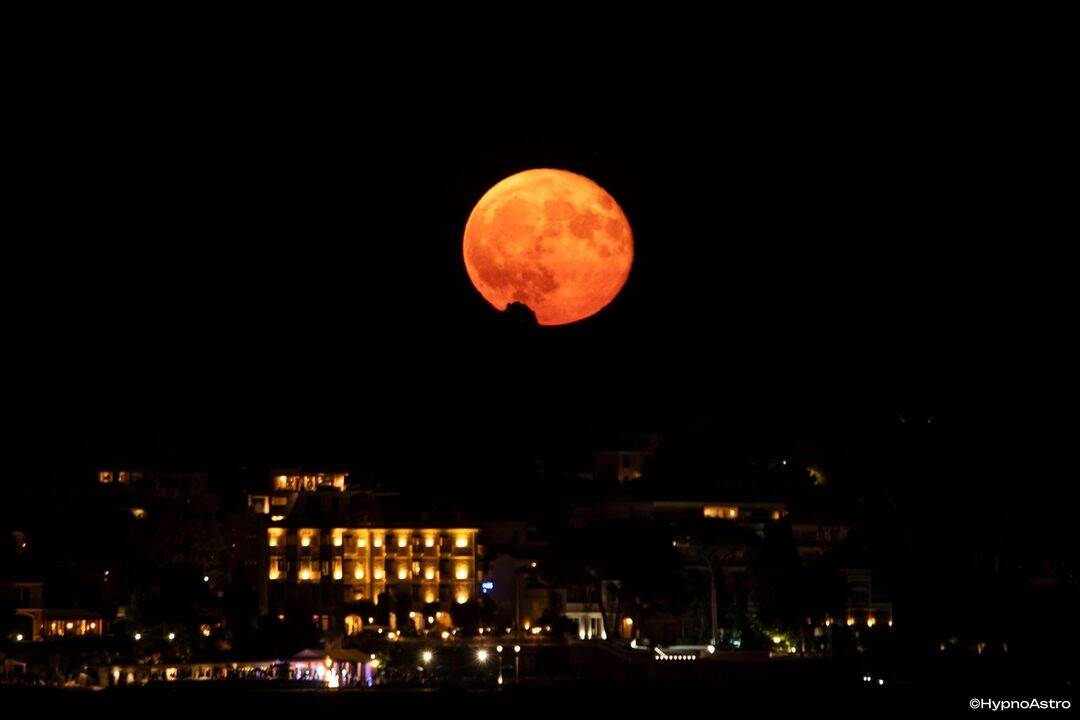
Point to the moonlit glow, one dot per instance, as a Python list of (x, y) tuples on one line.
[(551, 239)]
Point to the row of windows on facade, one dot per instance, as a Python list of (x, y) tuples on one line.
[(730, 512), (460, 592), (310, 570), (296, 483), (404, 539)]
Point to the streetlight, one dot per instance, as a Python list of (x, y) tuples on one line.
[(18, 638), (482, 655), (138, 636), (427, 655), (172, 636)]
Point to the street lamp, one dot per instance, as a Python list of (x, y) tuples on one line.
[(427, 655), (482, 655)]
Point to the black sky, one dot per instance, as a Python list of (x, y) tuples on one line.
[(201, 275)]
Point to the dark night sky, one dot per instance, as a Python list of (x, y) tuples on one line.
[(200, 275)]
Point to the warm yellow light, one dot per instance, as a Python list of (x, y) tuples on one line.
[(305, 540), (337, 573), (430, 619), (337, 540), (377, 541), (361, 542), (93, 625), (536, 631), (777, 639), (526, 624), (70, 625), (378, 574), (359, 573), (462, 597), (205, 629), (890, 622), (462, 572), (628, 621), (427, 655), (172, 636), (482, 655), (429, 574), (375, 662), (850, 621), (429, 597), (274, 574), (305, 574), (871, 621), (429, 541), (402, 541), (445, 635), (402, 574)]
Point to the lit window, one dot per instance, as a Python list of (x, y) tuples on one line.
[(429, 541), (402, 541), (275, 535), (461, 572), (358, 573), (105, 477), (361, 541), (429, 574), (429, 597), (462, 597), (462, 541), (338, 570), (337, 539), (403, 574), (305, 540), (376, 541), (378, 573)]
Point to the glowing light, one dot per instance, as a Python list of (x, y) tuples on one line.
[(462, 541), (70, 625), (890, 622), (871, 621), (93, 625), (555, 224), (402, 541), (711, 649), (850, 621), (462, 597), (172, 636), (429, 574), (305, 574), (377, 541), (536, 631), (427, 655), (19, 637), (517, 648), (498, 648), (378, 574), (337, 539), (445, 635), (361, 541), (430, 619), (462, 572), (777, 639), (402, 574), (358, 573), (429, 541), (206, 578), (276, 518), (205, 631), (305, 540), (482, 655)]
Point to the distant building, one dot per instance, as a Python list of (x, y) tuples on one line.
[(285, 485), (629, 462), (328, 571), (38, 622)]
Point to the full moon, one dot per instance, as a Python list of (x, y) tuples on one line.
[(550, 239)]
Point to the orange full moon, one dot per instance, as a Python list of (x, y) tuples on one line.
[(551, 239)]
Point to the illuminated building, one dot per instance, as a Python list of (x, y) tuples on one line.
[(45, 623), (327, 569), (285, 485)]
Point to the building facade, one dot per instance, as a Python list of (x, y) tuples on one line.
[(325, 570)]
